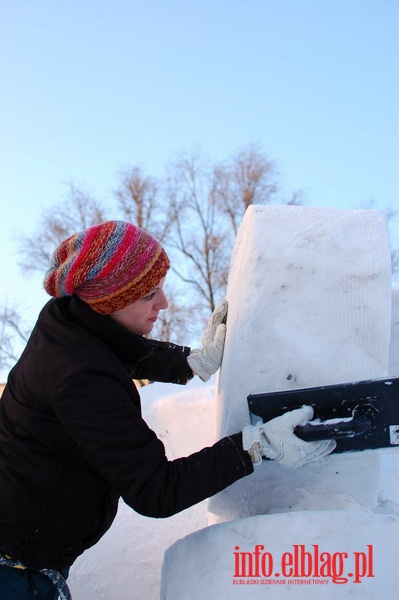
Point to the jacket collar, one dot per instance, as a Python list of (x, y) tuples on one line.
[(129, 347)]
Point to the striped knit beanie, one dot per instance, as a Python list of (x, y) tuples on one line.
[(108, 266)]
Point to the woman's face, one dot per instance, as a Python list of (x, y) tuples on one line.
[(140, 317)]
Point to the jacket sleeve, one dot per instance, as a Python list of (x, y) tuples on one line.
[(105, 423), (165, 362), (181, 483)]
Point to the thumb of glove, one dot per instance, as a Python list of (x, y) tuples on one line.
[(290, 420), (214, 321)]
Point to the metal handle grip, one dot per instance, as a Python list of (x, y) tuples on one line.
[(363, 419)]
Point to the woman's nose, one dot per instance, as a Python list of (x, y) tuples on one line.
[(162, 301)]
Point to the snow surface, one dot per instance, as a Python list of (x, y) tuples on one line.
[(332, 532), (393, 367), (309, 296), (350, 509)]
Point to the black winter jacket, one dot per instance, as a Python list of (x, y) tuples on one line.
[(73, 441)]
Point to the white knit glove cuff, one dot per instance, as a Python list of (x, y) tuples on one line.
[(255, 443)]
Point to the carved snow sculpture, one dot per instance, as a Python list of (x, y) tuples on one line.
[(309, 304), (309, 296)]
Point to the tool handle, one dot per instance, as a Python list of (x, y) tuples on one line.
[(362, 421)]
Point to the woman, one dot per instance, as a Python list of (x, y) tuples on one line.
[(72, 437)]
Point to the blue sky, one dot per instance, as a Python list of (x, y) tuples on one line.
[(88, 87)]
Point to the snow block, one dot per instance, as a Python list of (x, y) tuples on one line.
[(394, 346), (309, 294), (289, 555)]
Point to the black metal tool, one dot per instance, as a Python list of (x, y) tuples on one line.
[(361, 415)]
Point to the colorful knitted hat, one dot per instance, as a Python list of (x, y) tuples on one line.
[(108, 266)]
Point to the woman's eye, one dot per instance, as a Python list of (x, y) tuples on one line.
[(150, 296)]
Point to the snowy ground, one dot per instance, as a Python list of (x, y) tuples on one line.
[(126, 564)]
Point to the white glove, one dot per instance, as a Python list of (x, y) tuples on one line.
[(206, 361), (276, 440)]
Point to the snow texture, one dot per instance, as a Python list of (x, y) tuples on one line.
[(309, 294), (309, 304), (332, 532), (394, 345)]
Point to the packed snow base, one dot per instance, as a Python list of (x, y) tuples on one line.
[(324, 554)]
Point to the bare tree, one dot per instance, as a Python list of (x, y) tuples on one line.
[(297, 198), (12, 333), (198, 236), (141, 203), (208, 205), (77, 213), (249, 178), (176, 324), (194, 212)]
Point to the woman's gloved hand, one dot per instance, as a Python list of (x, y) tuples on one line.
[(206, 361), (276, 440)]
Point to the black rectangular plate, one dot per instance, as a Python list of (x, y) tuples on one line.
[(378, 396)]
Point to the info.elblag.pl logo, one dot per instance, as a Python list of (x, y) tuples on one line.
[(301, 566)]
